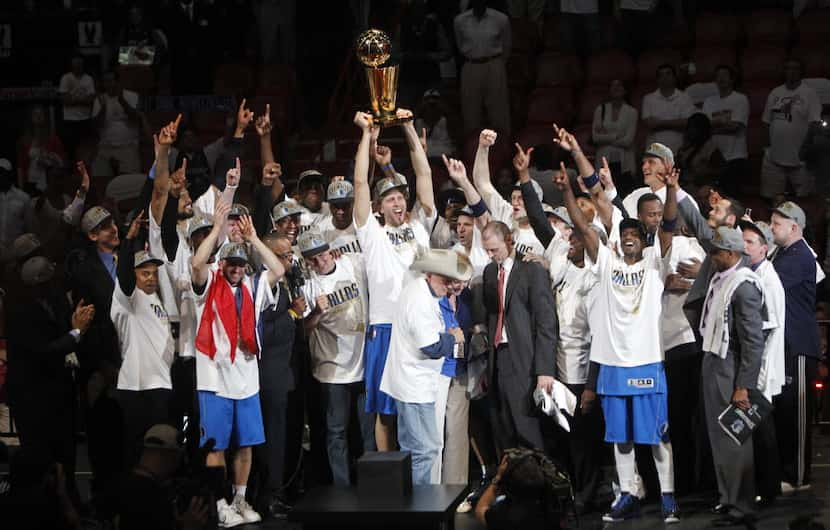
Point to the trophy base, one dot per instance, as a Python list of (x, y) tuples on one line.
[(390, 121)]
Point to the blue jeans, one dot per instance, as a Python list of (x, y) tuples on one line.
[(418, 434), (339, 401)]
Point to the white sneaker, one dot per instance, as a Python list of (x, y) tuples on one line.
[(789, 489), (227, 515), (248, 514)]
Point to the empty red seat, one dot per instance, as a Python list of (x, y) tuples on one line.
[(811, 27), (535, 135), (551, 105), (604, 67), (589, 100), (713, 29), (708, 59), (763, 63), (583, 136), (558, 69), (768, 27), (649, 60)]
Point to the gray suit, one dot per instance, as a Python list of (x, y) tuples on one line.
[(740, 368), (530, 319), (698, 226)]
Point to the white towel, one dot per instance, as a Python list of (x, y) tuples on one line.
[(561, 400), (715, 332)]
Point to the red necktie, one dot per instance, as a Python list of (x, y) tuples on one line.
[(500, 319)]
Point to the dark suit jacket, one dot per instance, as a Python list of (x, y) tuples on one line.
[(746, 338), (529, 316), (39, 384)]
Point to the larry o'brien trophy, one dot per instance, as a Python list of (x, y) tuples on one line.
[(373, 48)]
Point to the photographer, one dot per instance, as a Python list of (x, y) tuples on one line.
[(144, 497), (522, 494)]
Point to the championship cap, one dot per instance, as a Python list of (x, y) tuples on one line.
[(285, 209), (728, 238), (385, 185), (37, 270), (311, 243), (759, 227), (536, 187), (143, 257), (238, 210), (562, 213), (93, 218), (660, 151), (198, 223), (791, 210), (340, 191), (309, 177), (234, 251), (25, 245)]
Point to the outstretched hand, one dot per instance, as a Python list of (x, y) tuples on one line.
[(456, 170), (605, 176), (168, 133), (565, 140), (561, 179), (135, 226), (246, 228), (263, 123), (521, 160)]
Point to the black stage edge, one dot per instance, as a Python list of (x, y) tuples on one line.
[(330, 507)]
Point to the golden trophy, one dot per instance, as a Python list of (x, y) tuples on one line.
[(373, 48)]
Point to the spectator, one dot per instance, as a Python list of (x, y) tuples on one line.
[(38, 150), (699, 160), (424, 45), (666, 110), (140, 32), (790, 110), (613, 131), (637, 20), (579, 26), (144, 495), (16, 212), (77, 91), (432, 116), (311, 195), (483, 38), (729, 114), (118, 121), (55, 211)]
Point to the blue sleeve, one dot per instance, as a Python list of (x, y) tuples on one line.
[(442, 348), (793, 270)]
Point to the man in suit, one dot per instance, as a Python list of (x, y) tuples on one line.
[(43, 334), (521, 319), (733, 345)]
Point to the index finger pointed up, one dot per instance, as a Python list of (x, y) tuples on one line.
[(242, 105), (268, 109), (519, 147), (238, 166), (605, 163), (178, 120)]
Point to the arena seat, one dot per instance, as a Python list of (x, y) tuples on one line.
[(606, 66), (762, 63), (768, 27), (551, 105), (709, 58), (558, 69), (716, 29), (649, 60)]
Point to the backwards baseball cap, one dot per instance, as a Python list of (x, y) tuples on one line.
[(728, 238), (25, 245), (93, 218), (340, 191), (234, 251), (792, 211), (311, 243), (142, 257), (562, 213), (285, 209), (163, 436), (36, 271), (536, 187), (238, 210), (444, 262), (633, 222), (660, 151), (198, 223), (309, 177), (386, 185), (759, 227)]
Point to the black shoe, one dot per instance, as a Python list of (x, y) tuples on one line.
[(720, 509), (278, 508), (478, 491)]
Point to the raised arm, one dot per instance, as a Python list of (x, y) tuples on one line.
[(589, 176), (533, 206), (199, 262), (126, 257), (362, 194), (161, 182), (420, 164), (591, 238), (669, 222), (271, 170), (275, 268), (481, 166)]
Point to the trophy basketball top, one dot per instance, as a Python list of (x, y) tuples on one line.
[(373, 47)]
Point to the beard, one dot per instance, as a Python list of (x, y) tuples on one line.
[(184, 216)]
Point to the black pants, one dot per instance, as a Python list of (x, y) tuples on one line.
[(585, 446), (141, 409), (794, 410), (104, 429), (515, 424), (271, 454), (767, 461), (733, 176), (683, 380)]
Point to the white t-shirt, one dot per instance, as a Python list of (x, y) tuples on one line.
[(343, 241), (80, 87), (572, 355), (118, 129), (734, 107), (789, 114), (675, 326), (676, 106), (336, 343), (388, 253), (630, 201), (238, 379), (524, 238), (144, 338), (309, 218), (409, 375), (625, 313)]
